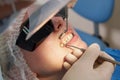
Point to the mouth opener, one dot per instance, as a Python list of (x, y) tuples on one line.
[(101, 57)]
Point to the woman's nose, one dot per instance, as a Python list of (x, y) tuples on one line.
[(58, 22)]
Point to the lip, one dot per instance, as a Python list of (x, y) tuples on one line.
[(75, 36), (74, 39)]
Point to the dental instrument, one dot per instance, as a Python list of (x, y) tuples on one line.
[(100, 57)]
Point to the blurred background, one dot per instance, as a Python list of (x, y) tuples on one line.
[(110, 30)]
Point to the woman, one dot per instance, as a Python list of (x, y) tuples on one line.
[(51, 57)]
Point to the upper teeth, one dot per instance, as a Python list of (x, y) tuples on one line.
[(67, 38)]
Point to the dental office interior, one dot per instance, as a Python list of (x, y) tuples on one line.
[(109, 29), (108, 22)]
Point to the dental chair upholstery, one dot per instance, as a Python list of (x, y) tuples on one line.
[(98, 11)]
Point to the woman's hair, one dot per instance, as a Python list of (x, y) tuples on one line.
[(12, 63), (2, 2)]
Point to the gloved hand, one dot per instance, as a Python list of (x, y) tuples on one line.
[(83, 68)]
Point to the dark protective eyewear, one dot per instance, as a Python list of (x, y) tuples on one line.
[(38, 37)]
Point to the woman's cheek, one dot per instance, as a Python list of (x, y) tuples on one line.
[(51, 46)]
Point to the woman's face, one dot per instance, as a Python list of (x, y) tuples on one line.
[(49, 56)]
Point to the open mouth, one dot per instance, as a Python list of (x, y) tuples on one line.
[(67, 38)]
